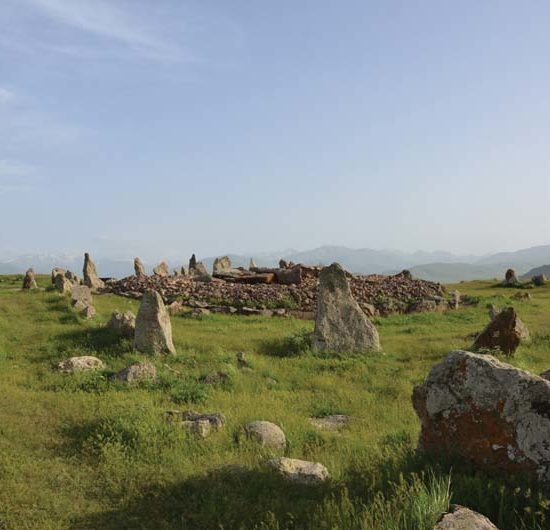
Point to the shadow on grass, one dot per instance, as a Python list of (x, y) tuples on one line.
[(100, 340), (291, 346), (230, 498)]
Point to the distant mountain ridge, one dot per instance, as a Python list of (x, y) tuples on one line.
[(439, 266)]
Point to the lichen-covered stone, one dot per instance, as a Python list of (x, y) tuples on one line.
[(299, 471), (29, 281), (267, 434), (221, 264), (81, 364), (487, 412), (505, 332), (153, 332), (55, 272), (340, 324), (123, 323), (461, 518), (333, 422), (200, 425), (89, 271), (82, 295)]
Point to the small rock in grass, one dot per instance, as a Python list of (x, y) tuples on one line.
[(266, 433), (136, 373), (80, 364), (214, 378), (216, 419), (334, 422), (299, 471), (461, 518)]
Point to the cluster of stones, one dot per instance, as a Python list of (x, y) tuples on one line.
[(289, 287)]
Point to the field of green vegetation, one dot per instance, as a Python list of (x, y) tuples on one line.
[(80, 452)]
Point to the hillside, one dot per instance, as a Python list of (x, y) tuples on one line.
[(545, 269)]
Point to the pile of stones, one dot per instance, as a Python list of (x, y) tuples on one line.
[(292, 287)]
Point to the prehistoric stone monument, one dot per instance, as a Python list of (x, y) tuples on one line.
[(221, 265), (487, 412), (29, 281), (162, 269), (89, 271), (505, 332), (153, 328), (510, 278), (197, 268), (340, 324), (139, 269)]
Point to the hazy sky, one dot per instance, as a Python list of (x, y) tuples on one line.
[(164, 127)]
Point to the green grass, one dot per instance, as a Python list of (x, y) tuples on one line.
[(80, 452)]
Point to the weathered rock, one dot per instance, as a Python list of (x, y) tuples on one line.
[(221, 264), (123, 323), (89, 271), (461, 518), (82, 295), (184, 271), (162, 269), (333, 422), (340, 324), (62, 284), (510, 278), (266, 433), (153, 332), (539, 280), (136, 373), (493, 311), (299, 471), (454, 299), (139, 269), (546, 375), (72, 277), (283, 264), (200, 425), (241, 360), (29, 281), (252, 264), (88, 312), (55, 272), (215, 378), (505, 333), (522, 295), (81, 364), (289, 276), (487, 412)]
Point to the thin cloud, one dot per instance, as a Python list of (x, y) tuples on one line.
[(16, 169), (109, 22), (6, 96)]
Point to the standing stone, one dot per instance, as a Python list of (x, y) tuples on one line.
[(197, 268), (63, 284), (91, 279), (192, 262), (252, 265), (139, 269), (539, 280), (283, 264), (162, 269), (153, 328), (505, 332), (510, 278), (81, 295), (221, 264), (486, 412), (72, 277), (184, 271), (28, 281), (340, 324), (55, 272)]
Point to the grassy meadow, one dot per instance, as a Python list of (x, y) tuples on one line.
[(80, 452)]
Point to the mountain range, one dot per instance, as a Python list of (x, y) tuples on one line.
[(436, 266)]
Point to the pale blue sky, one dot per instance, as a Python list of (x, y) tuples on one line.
[(164, 127)]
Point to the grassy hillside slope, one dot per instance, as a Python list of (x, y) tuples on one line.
[(79, 452)]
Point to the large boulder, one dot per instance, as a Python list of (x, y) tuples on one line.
[(267, 434), (81, 296), (153, 327), (197, 268), (221, 264), (505, 332), (123, 323), (29, 281), (62, 283), (299, 471), (89, 271), (461, 518), (539, 280), (340, 324), (487, 412), (84, 363), (162, 269), (55, 272), (139, 269)]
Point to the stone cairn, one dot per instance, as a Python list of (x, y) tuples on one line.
[(153, 333), (29, 281), (89, 271), (340, 324)]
